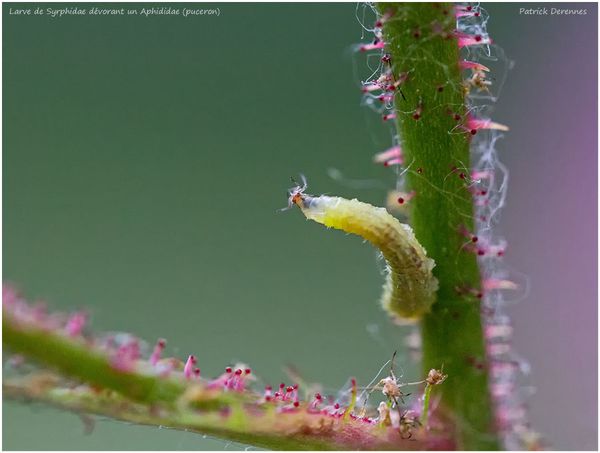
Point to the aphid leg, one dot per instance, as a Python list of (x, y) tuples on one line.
[(368, 395), (397, 406)]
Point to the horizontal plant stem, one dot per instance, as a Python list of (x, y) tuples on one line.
[(139, 414), (83, 379), (75, 359)]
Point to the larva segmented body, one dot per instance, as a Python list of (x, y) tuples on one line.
[(410, 287)]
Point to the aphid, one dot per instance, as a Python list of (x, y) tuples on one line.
[(409, 421), (479, 81), (410, 287), (390, 386), (435, 377), (296, 192)]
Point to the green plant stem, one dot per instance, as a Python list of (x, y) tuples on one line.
[(76, 359), (139, 414), (425, 411), (433, 147), (85, 380)]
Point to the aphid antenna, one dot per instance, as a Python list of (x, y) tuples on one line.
[(300, 187), (393, 365), (370, 387)]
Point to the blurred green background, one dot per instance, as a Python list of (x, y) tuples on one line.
[(144, 162)]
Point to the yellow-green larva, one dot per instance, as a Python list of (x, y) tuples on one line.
[(410, 287)]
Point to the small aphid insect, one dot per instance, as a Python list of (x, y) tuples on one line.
[(409, 421), (296, 192), (390, 411), (389, 386), (410, 287), (479, 81)]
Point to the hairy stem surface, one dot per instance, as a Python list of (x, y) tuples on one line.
[(79, 376), (419, 37)]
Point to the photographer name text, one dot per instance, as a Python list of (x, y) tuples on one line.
[(542, 11)]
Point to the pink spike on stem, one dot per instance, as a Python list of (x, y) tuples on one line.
[(373, 46), (392, 162), (234, 380), (482, 174), (466, 233), (465, 64), (498, 331), (395, 152), (75, 324), (405, 197), (386, 97), (502, 390), (475, 124), (389, 116), (495, 283), (295, 397), (9, 295), (498, 250), (316, 401), (126, 356), (188, 369), (465, 11), (221, 381), (158, 349), (369, 87), (384, 18), (502, 370), (268, 396), (385, 78), (465, 40)]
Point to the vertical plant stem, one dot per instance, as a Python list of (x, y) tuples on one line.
[(419, 37), (425, 411)]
